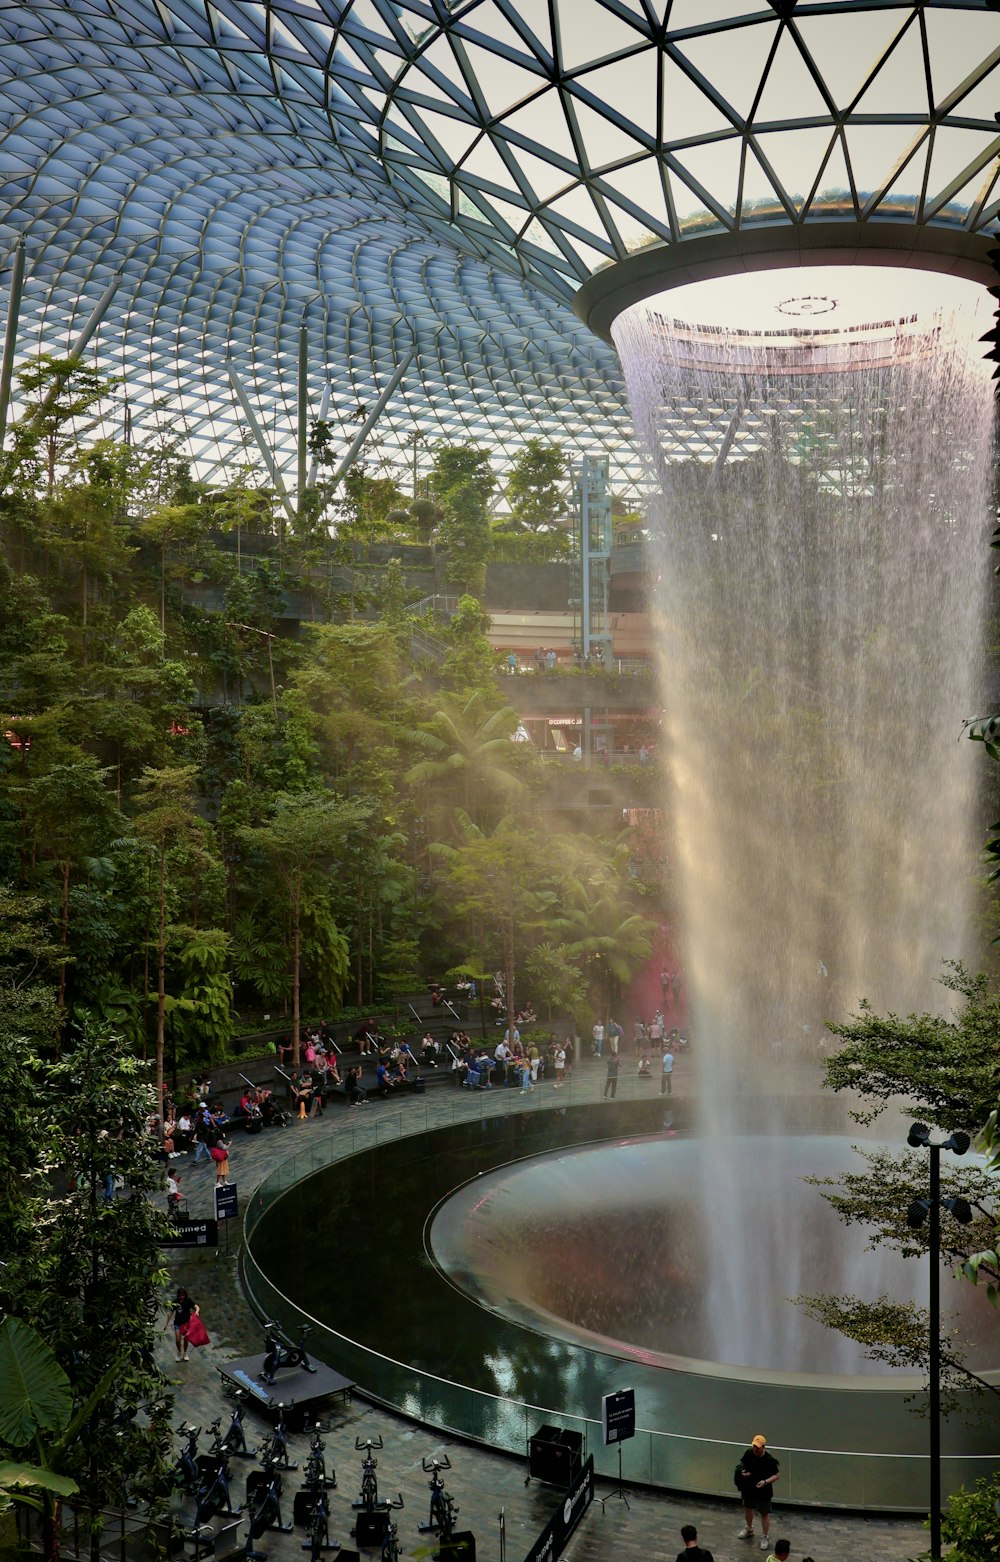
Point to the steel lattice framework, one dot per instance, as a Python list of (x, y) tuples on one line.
[(428, 182)]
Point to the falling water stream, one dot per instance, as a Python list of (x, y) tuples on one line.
[(824, 519)]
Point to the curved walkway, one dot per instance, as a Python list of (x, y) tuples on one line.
[(482, 1483)]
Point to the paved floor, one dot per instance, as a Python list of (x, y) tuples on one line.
[(483, 1484)]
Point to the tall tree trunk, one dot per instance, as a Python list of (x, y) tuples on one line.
[(296, 972), (161, 989), (64, 941), (508, 952), (64, 938)]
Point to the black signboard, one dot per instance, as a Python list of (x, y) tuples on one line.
[(226, 1207), (618, 1415), (555, 1537), (192, 1233)]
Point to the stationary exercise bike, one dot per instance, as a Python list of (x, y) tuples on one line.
[(264, 1502), (390, 1541), (186, 1473), (316, 1463), (264, 1493), (312, 1506), (279, 1351), (369, 1498), (443, 1511), (235, 1441), (274, 1449)]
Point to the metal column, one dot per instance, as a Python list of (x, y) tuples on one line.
[(303, 412), (10, 336), (372, 419), (258, 434), (99, 311), (79, 347)]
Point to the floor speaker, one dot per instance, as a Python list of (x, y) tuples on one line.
[(555, 1455), (370, 1528), (302, 1507), (461, 1547)]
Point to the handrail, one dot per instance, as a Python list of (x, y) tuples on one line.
[(657, 1456)]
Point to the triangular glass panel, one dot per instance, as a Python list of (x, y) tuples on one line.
[(544, 122), (588, 32), (454, 135), (959, 43), (490, 22), (503, 84), (422, 84), (796, 156), (981, 101), (761, 202), (845, 48), (484, 162), (593, 259), (536, 233), (900, 87), (735, 72), (903, 195), (716, 166), (693, 216), (346, 57), (876, 151), (964, 201), (545, 179), (402, 127), (435, 182), (535, 16), (576, 206), (954, 152), (628, 87), (633, 232), (790, 91), (687, 111), (987, 221), (514, 216), (641, 184), (603, 142)]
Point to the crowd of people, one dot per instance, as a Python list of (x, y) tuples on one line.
[(386, 1065)]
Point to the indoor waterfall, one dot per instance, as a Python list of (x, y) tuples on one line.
[(824, 521)]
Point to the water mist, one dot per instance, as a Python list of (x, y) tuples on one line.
[(823, 518)]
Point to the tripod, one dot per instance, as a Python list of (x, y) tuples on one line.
[(619, 1490)]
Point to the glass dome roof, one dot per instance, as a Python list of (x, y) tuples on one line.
[(443, 175)]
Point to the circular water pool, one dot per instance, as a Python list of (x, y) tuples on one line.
[(623, 1247), (505, 1273)]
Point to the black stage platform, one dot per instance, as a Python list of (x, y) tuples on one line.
[(296, 1391)]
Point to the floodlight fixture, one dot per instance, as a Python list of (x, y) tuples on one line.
[(922, 1137)]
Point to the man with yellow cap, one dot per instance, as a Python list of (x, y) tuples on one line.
[(756, 1474)]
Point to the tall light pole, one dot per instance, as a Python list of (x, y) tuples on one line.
[(920, 1136)]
